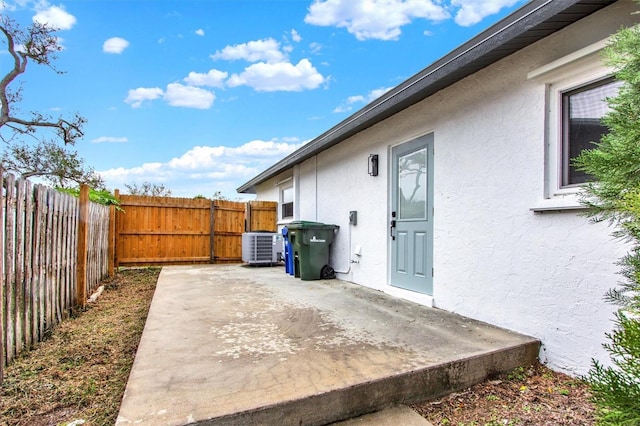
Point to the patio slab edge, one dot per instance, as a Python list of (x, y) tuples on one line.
[(405, 388)]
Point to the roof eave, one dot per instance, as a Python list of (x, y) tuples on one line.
[(525, 26)]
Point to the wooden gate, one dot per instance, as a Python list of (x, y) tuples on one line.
[(173, 231)]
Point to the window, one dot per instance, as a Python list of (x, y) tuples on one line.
[(577, 87), (582, 112), (287, 202)]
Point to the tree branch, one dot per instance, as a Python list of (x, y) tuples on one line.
[(40, 45), (43, 157), (68, 131)]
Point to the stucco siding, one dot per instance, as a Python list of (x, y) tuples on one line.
[(268, 191), (496, 260), (344, 185), (543, 274)]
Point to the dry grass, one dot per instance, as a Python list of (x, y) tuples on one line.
[(80, 371)]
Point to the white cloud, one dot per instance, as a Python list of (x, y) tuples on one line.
[(315, 47), (374, 19), (110, 139), (115, 45), (54, 16), (383, 19), (120, 175), (376, 93), (214, 78), (188, 96), (176, 94), (204, 158), (473, 11), (206, 169), (135, 97), (349, 103), (259, 50), (200, 32), (295, 36), (283, 76)]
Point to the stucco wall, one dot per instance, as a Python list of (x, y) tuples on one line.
[(543, 274)]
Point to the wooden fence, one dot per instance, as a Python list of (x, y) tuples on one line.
[(165, 231), (40, 231), (55, 248)]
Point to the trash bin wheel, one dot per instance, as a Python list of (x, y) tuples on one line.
[(327, 273)]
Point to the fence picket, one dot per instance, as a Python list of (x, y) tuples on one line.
[(19, 266), (41, 209), (3, 349), (38, 273), (28, 265), (10, 306)]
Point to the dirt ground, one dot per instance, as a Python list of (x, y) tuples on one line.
[(531, 396), (78, 375)]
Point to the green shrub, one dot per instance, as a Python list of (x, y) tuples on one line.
[(614, 195)]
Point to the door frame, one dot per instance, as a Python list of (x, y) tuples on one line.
[(429, 141)]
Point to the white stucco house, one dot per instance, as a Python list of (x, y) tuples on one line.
[(473, 207)]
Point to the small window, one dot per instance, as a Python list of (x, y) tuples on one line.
[(582, 112), (287, 203)]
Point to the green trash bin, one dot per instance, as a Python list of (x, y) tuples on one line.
[(310, 242)]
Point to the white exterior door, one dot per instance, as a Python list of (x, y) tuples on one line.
[(411, 227)]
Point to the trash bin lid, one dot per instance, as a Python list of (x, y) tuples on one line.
[(305, 224)]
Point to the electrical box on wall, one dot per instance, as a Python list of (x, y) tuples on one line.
[(353, 217)]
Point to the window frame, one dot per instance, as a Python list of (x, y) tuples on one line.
[(579, 76), (284, 207)]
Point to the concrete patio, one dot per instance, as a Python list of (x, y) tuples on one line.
[(239, 345)]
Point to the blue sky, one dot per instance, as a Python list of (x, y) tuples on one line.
[(201, 95)]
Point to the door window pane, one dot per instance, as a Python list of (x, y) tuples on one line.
[(412, 185)]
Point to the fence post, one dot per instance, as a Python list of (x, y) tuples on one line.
[(247, 217), (111, 253), (212, 238), (81, 269)]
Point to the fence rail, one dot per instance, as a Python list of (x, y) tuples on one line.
[(39, 260)]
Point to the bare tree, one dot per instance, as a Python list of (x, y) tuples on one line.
[(148, 188), (37, 44)]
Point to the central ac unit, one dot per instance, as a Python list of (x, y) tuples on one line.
[(261, 247)]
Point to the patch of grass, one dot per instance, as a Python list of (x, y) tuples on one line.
[(80, 371), (517, 375)]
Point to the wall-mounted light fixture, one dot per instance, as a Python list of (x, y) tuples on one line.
[(373, 165)]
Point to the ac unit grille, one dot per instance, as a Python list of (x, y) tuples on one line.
[(261, 247)]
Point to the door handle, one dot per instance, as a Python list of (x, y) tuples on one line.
[(393, 225)]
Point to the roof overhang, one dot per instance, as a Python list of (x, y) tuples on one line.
[(532, 22)]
